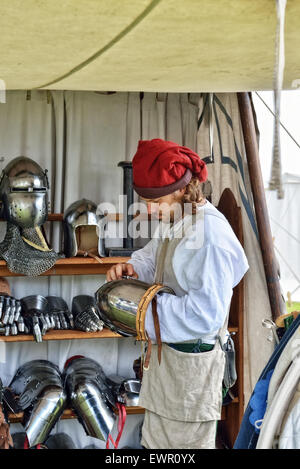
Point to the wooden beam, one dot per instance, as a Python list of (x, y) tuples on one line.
[(261, 211)]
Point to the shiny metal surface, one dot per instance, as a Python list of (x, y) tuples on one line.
[(130, 392), (90, 396), (45, 414), (23, 193), (118, 302), (132, 385), (38, 390), (80, 213), (34, 370), (34, 303), (97, 417), (31, 378), (129, 399)]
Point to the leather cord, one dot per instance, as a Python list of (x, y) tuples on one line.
[(89, 253), (157, 334)]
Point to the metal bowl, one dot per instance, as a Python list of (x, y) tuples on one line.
[(118, 303)]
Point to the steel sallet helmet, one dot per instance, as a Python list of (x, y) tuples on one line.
[(82, 213), (24, 193)]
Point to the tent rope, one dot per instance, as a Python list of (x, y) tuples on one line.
[(282, 125), (287, 264), (276, 181), (110, 44), (284, 229)]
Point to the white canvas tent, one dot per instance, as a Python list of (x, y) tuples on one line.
[(148, 45), (170, 50)]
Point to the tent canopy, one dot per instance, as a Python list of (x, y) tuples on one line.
[(145, 45)]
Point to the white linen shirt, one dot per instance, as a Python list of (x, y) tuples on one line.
[(208, 263)]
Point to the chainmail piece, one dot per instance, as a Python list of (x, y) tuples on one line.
[(21, 257)]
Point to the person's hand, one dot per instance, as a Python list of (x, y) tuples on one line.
[(117, 271)]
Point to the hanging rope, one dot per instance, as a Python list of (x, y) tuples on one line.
[(276, 181), (285, 230), (287, 264), (107, 46), (282, 125)]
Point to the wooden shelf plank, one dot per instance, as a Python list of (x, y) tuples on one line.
[(70, 414), (63, 335), (72, 334), (59, 217), (72, 266)]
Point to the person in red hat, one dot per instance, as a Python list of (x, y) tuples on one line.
[(195, 252)]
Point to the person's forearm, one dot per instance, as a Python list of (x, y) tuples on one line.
[(143, 261)]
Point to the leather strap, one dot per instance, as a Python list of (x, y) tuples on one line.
[(156, 327), (148, 355), (157, 334), (90, 253), (142, 309)]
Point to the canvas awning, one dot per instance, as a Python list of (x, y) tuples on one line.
[(145, 45)]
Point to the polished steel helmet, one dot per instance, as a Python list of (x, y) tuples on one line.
[(90, 396), (24, 193), (82, 213), (119, 303), (127, 391)]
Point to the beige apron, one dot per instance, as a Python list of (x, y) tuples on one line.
[(185, 387)]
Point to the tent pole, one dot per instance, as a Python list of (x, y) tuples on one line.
[(261, 211)]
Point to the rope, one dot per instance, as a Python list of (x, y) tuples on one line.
[(287, 264), (275, 181), (284, 229), (110, 44), (282, 125)]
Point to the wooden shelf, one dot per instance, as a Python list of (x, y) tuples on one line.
[(70, 414), (63, 335), (72, 266), (71, 334)]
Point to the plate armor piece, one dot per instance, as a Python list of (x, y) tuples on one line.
[(90, 396), (38, 386), (119, 303)]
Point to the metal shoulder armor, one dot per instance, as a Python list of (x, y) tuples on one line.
[(90, 396), (38, 386)]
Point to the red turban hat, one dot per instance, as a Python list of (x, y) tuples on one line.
[(161, 167)]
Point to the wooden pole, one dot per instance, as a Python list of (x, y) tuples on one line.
[(261, 211)]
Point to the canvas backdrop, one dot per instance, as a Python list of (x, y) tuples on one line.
[(80, 137)]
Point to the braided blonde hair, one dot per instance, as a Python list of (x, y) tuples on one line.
[(193, 193)]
